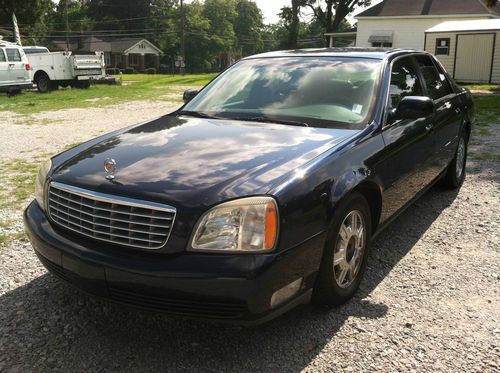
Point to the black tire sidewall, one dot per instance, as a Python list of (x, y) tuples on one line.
[(451, 180), (43, 84), (326, 290)]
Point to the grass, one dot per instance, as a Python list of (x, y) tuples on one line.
[(6, 238), (134, 87), (17, 182), (483, 87)]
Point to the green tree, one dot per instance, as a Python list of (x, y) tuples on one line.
[(334, 12), (248, 27), (31, 15)]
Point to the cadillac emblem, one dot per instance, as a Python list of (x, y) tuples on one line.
[(110, 167)]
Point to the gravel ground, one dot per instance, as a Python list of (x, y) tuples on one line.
[(429, 301)]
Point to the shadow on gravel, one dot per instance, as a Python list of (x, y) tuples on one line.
[(46, 325)]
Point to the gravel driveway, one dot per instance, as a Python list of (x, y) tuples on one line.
[(429, 302)]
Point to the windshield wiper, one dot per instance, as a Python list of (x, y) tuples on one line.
[(272, 120), (197, 114)]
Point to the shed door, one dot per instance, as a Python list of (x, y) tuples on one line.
[(474, 58)]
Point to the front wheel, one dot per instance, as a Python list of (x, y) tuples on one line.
[(344, 257), (455, 174)]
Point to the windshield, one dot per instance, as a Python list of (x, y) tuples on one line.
[(318, 91)]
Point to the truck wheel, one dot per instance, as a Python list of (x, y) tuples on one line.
[(82, 84), (85, 84), (344, 256), (43, 83)]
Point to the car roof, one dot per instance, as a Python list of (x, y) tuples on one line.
[(372, 53), (34, 47)]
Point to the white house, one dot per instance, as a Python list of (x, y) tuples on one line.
[(402, 23), (469, 50)]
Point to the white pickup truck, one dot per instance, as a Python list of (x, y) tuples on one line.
[(53, 69)]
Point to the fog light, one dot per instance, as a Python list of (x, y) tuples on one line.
[(285, 293)]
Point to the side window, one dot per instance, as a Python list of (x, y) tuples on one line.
[(404, 81), (442, 47), (13, 55), (437, 85), (2, 56)]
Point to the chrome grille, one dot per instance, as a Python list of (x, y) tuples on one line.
[(109, 218)]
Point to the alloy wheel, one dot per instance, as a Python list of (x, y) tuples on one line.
[(349, 250)]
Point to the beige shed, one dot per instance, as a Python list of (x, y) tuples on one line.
[(469, 50)]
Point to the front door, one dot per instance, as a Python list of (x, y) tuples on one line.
[(474, 58), (404, 168)]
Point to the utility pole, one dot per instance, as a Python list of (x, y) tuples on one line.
[(183, 40), (67, 24)]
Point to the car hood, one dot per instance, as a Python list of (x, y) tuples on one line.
[(194, 162)]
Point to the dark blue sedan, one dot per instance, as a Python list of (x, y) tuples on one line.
[(262, 192)]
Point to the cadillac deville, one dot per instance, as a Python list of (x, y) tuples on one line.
[(262, 192)]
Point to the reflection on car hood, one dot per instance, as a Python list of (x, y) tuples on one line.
[(190, 162)]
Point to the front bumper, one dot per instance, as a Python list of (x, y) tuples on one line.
[(235, 288)]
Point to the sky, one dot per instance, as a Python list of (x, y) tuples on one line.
[(271, 8)]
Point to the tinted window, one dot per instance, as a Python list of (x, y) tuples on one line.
[(437, 85), (2, 56), (13, 55), (404, 81)]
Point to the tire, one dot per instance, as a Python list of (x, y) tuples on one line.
[(43, 83), (330, 288), (81, 84), (455, 173)]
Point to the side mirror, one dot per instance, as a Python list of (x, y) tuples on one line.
[(414, 107), (189, 95)]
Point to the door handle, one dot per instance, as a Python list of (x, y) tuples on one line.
[(12, 64), (429, 128)]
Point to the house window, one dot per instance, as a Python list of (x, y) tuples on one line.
[(377, 44), (443, 47), (134, 59)]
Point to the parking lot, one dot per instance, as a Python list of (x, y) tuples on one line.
[(429, 301)]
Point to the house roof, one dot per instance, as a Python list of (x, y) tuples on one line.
[(93, 44), (472, 25), (395, 8)]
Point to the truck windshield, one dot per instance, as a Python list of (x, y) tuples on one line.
[(319, 91)]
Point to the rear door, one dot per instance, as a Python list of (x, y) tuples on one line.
[(405, 168), (4, 69), (448, 116), (17, 65)]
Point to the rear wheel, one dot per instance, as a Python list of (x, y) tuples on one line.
[(455, 174), (344, 256), (43, 83), (82, 84)]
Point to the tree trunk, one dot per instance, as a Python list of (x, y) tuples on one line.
[(293, 33)]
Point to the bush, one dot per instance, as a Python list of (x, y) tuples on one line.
[(164, 69), (129, 70), (112, 71), (150, 70)]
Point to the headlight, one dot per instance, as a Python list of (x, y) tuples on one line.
[(40, 183), (243, 225)]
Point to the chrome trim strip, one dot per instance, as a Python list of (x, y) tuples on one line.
[(117, 200), (111, 210), (111, 199), (105, 239), (108, 218), (106, 233), (109, 226)]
